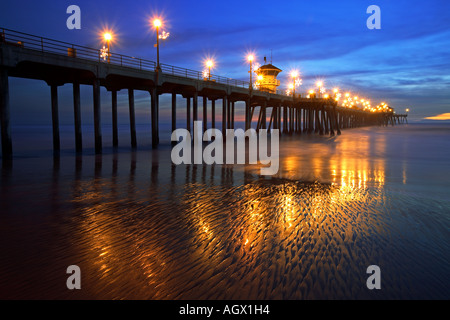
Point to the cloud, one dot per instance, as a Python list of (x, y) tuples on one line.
[(442, 116)]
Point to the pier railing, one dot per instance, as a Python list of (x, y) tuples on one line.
[(47, 45), (192, 74)]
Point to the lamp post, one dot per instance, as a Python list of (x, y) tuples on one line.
[(291, 88), (319, 85), (209, 64), (250, 58), (107, 36), (157, 25), (337, 94), (294, 75)]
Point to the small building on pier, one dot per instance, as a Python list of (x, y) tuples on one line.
[(267, 77)]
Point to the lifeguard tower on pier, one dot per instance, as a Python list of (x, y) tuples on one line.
[(267, 77)]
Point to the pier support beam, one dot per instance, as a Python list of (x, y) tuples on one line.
[(174, 111), (311, 120), (213, 113), (154, 111), (229, 114), (115, 131), (205, 113), (317, 126), (232, 115), (195, 106), (291, 120), (263, 115), (55, 118), (330, 120), (248, 120), (304, 122), (132, 118), (224, 115), (273, 118), (97, 117), (188, 114), (279, 118), (4, 115), (77, 117)]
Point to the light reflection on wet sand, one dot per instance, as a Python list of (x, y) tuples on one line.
[(142, 228)]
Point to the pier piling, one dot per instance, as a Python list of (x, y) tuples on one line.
[(114, 118), (132, 118), (174, 111), (4, 115), (55, 118), (97, 117), (188, 113), (77, 117)]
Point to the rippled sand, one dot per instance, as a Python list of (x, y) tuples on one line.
[(141, 228)]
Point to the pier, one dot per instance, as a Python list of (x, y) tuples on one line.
[(58, 63)]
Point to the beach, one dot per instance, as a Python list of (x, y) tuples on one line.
[(140, 227)]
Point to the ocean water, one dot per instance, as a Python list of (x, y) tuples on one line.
[(140, 227)]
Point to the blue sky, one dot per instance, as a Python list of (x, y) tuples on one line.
[(406, 62)]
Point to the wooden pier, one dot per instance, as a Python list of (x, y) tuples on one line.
[(58, 63)]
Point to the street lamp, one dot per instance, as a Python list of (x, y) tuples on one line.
[(209, 64), (290, 89), (294, 75), (105, 52), (157, 24), (250, 58), (108, 37), (337, 94), (407, 110), (319, 85)]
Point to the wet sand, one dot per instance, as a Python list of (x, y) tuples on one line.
[(142, 228)]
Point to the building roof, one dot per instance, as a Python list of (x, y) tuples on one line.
[(269, 67)]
